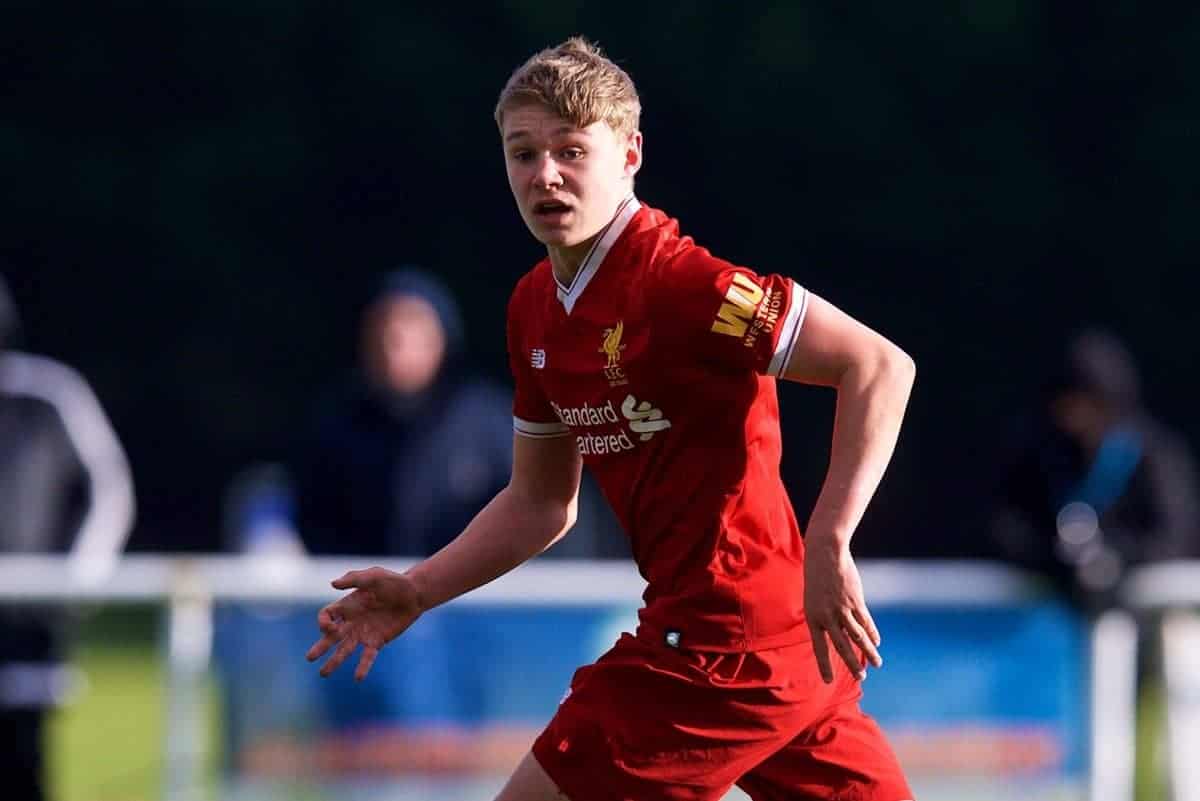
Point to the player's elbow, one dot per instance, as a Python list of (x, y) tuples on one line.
[(900, 371), (568, 515), (887, 368), (572, 513), (902, 367), (564, 523)]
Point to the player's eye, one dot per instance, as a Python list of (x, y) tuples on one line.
[(521, 155), (572, 153)]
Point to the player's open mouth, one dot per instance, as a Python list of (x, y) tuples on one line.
[(550, 209)]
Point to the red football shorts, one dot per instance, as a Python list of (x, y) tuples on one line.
[(648, 722)]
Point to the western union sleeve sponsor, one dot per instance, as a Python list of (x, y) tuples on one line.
[(738, 308)]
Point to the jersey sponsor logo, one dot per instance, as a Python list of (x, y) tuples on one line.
[(738, 308), (585, 415), (748, 310), (537, 357), (644, 421), (611, 346), (603, 444)]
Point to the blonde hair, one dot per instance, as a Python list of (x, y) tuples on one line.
[(579, 83)]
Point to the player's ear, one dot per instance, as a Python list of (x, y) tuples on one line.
[(633, 154)]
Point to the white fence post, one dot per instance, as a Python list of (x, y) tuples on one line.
[(1169, 590), (1113, 706), (1181, 665), (189, 647)]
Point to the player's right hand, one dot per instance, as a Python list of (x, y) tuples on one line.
[(382, 605)]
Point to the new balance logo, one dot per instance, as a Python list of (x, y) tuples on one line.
[(537, 357)]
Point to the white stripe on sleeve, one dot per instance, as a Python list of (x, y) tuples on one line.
[(789, 332), (539, 430)]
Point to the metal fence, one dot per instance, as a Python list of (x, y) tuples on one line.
[(189, 586)]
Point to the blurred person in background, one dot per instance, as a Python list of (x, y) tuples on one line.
[(399, 457), (393, 460), (1096, 485), (64, 488), (402, 454)]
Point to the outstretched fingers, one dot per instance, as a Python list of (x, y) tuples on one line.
[(365, 662), (346, 580), (320, 648), (355, 579), (329, 619), (329, 622), (351, 621), (343, 652)]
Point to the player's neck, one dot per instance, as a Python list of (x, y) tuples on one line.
[(566, 261)]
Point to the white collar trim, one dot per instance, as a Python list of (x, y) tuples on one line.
[(569, 296)]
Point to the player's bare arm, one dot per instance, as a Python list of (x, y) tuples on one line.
[(525, 518), (873, 379)]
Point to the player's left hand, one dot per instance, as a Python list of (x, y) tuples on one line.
[(836, 610)]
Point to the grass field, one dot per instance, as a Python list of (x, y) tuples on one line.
[(108, 743)]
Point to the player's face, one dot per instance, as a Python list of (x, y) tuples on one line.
[(567, 181)]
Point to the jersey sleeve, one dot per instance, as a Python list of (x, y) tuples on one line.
[(729, 315), (533, 416)]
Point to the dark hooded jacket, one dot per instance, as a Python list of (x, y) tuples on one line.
[(380, 473), (1140, 483)]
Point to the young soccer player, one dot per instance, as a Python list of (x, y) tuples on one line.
[(638, 353)]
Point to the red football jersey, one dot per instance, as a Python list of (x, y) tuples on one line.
[(660, 359)]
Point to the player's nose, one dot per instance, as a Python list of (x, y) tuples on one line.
[(547, 174)]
